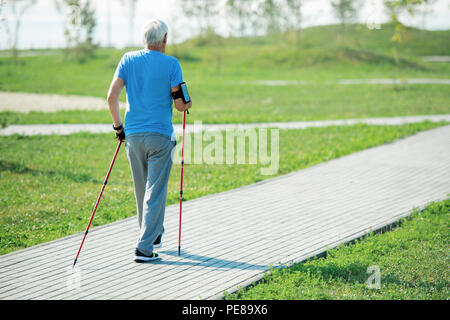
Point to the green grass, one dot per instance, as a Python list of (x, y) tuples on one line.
[(412, 259), (213, 69), (49, 184), (249, 103)]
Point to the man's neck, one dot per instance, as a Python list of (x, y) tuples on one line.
[(156, 48)]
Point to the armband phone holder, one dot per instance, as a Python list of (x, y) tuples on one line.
[(182, 93)]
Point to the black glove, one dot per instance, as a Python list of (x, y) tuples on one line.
[(121, 135)]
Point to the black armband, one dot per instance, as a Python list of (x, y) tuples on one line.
[(177, 94), (182, 93)]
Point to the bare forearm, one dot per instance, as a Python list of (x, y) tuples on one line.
[(114, 109), (113, 100)]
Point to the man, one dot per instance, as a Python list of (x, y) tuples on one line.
[(150, 77)]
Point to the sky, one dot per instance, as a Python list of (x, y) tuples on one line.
[(43, 26)]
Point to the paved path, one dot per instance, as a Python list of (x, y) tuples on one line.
[(346, 82), (231, 238), (63, 129), (436, 58), (25, 102)]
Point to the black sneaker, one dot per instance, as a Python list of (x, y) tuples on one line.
[(140, 257), (158, 242)]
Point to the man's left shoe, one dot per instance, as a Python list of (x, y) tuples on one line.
[(158, 242)]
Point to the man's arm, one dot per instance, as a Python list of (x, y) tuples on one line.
[(179, 104), (113, 100)]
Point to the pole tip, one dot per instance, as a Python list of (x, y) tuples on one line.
[(179, 249), (73, 266)]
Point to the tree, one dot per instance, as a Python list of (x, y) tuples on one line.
[(131, 13), (250, 16), (204, 11), (270, 16), (395, 8), (79, 28), (295, 16), (108, 24), (426, 10), (17, 9), (240, 14), (2, 3), (345, 10)]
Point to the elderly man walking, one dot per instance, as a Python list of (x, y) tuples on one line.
[(150, 78)]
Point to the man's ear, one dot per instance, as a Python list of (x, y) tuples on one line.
[(165, 38)]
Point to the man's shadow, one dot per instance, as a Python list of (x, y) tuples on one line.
[(190, 259)]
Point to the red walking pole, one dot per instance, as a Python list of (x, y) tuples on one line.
[(98, 200), (181, 184)]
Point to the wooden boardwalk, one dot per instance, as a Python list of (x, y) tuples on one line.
[(231, 238)]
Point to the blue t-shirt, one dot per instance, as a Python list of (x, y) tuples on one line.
[(149, 76)]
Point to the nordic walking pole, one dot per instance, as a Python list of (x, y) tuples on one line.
[(98, 200), (181, 184)]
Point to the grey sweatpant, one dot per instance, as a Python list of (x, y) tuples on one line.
[(150, 160)]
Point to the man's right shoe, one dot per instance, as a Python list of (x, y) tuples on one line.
[(140, 257)]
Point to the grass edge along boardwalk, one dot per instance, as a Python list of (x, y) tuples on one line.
[(223, 247), (411, 260), (61, 185)]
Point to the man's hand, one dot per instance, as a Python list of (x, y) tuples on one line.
[(188, 105), (120, 135), (181, 106)]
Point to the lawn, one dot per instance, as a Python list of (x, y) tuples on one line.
[(215, 68), (412, 261), (250, 103), (49, 184)]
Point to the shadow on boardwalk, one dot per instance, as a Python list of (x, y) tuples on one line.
[(205, 261)]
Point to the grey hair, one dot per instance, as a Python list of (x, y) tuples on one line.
[(153, 32)]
